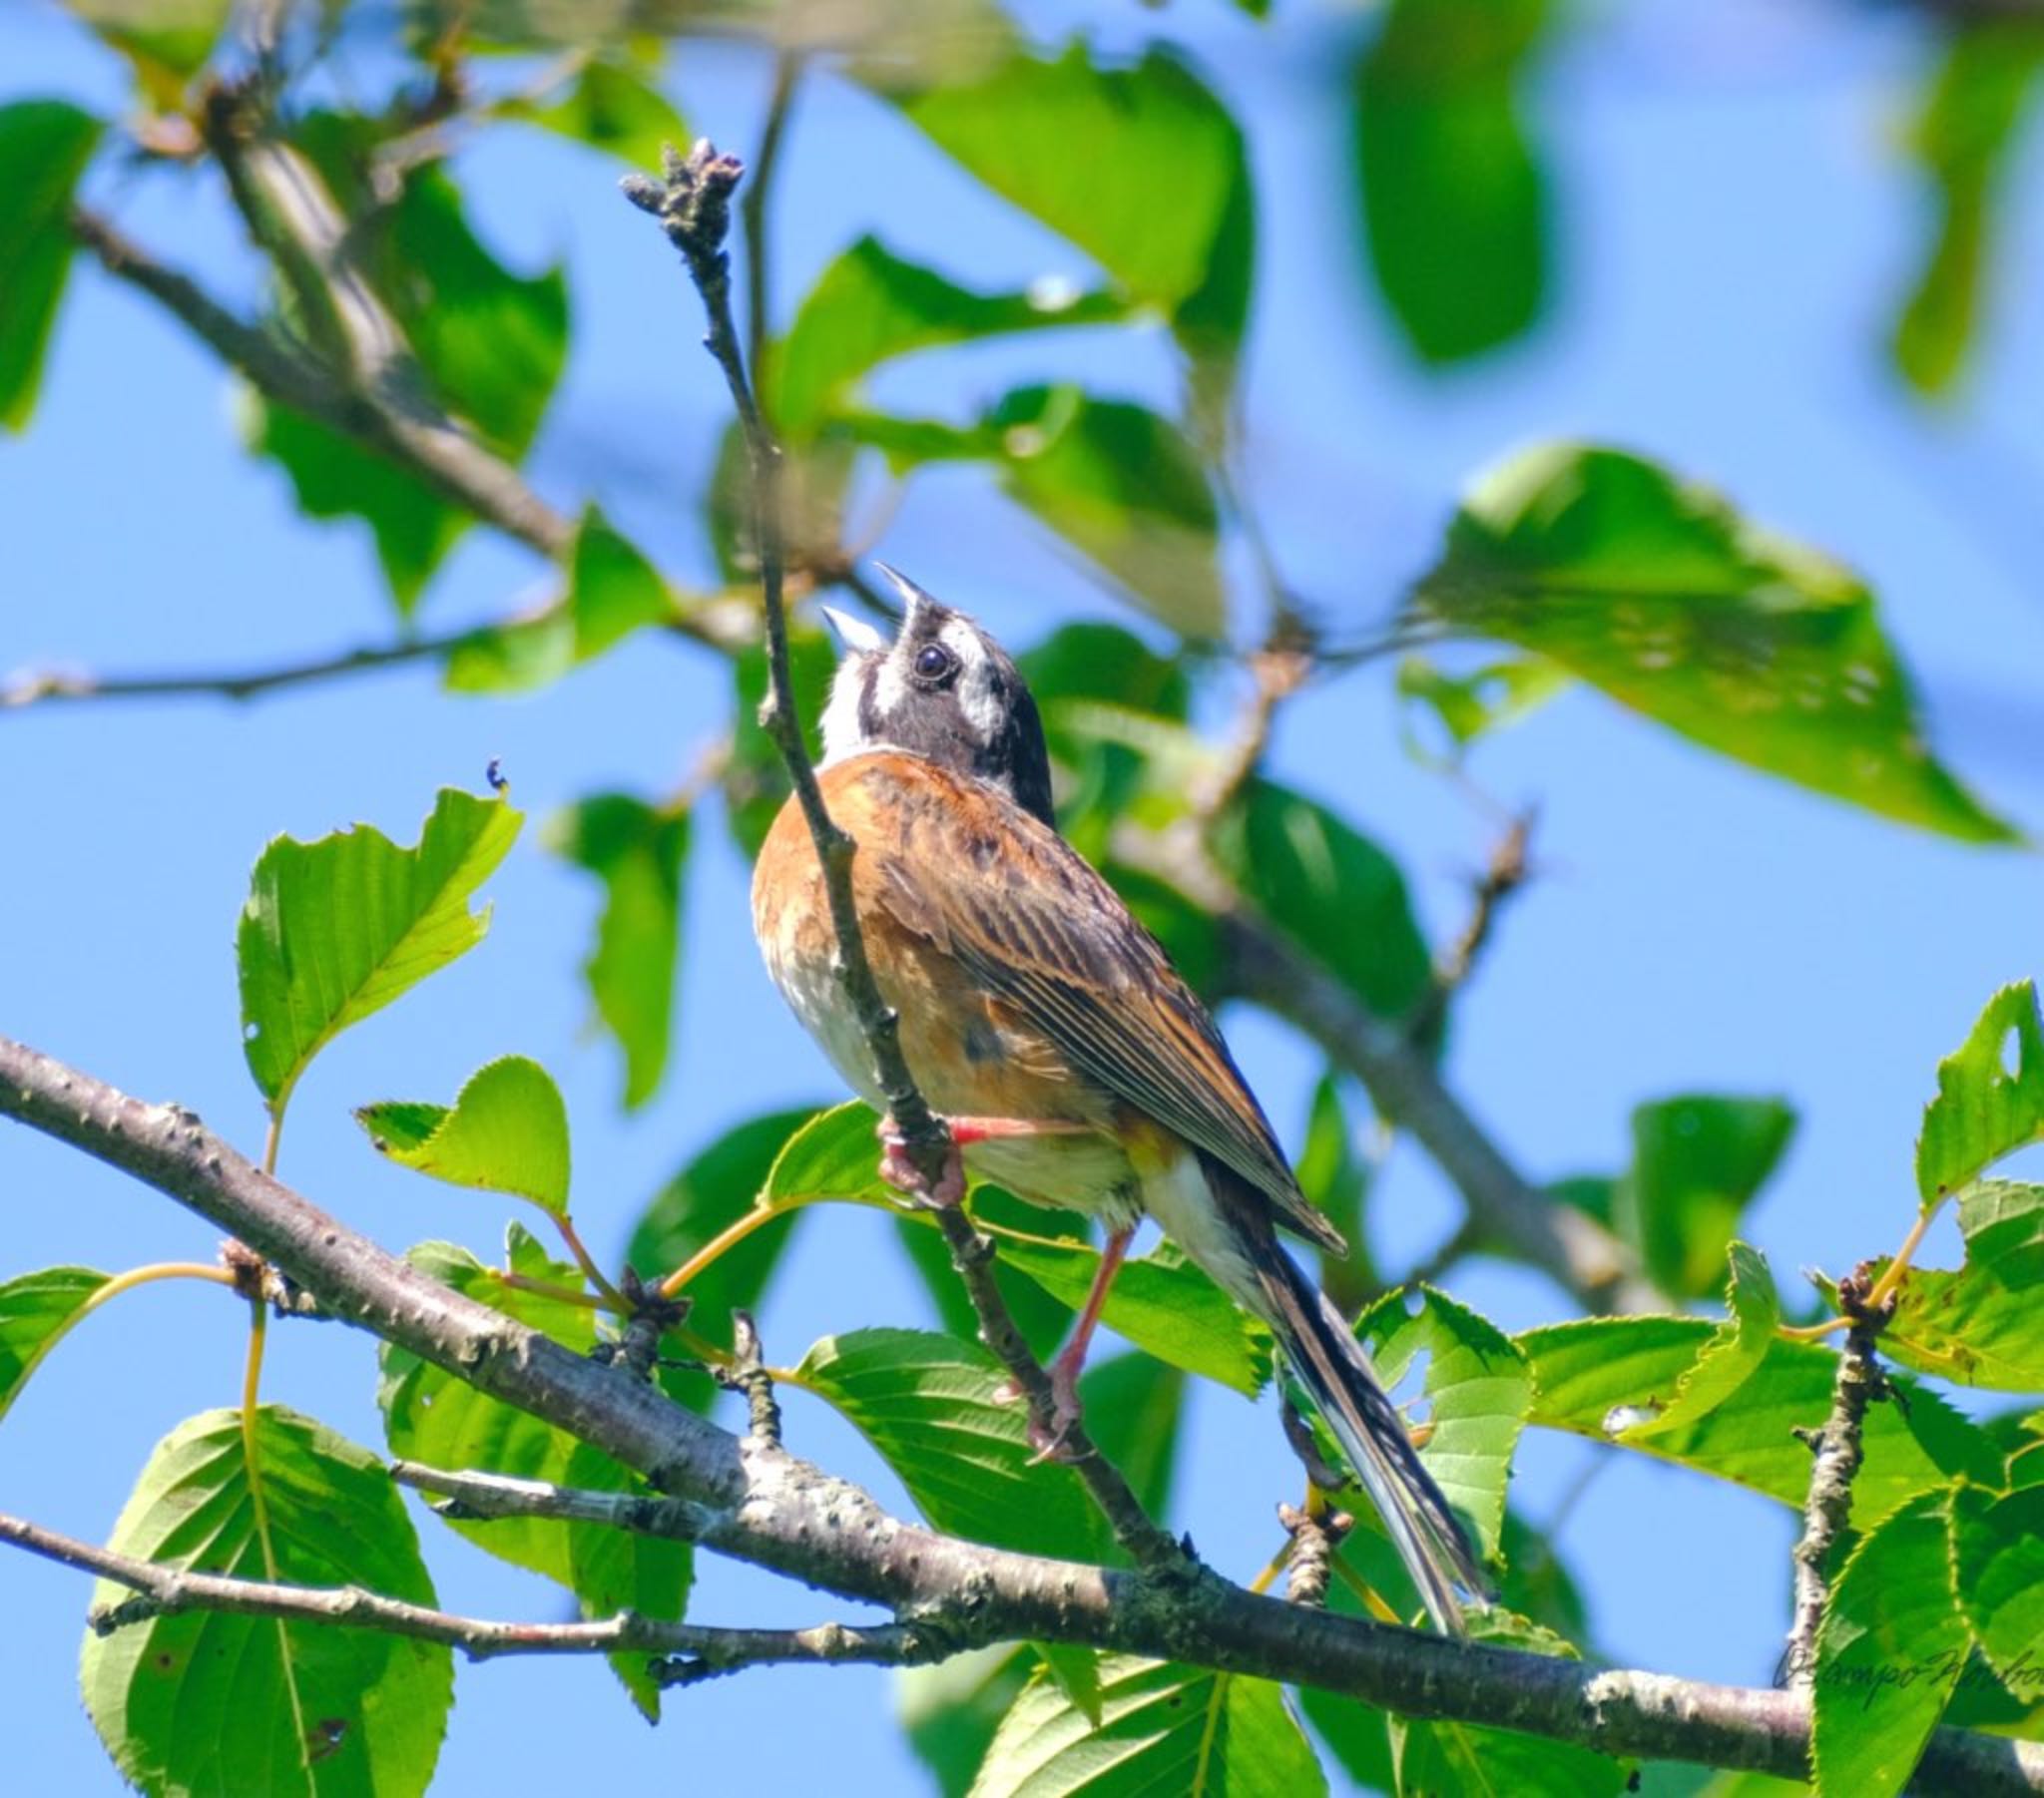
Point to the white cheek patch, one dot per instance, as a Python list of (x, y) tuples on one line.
[(978, 701), (841, 736)]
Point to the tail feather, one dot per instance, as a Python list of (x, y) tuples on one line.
[(1335, 1370)]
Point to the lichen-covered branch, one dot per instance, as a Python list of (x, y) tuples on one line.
[(758, 1503)]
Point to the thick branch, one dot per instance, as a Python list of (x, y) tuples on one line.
[(1838, 1449), (165, 1590), (759, 1503)]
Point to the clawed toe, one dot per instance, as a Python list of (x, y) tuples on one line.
[(898, 1169)]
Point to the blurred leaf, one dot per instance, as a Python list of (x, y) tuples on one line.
[(1891, 1646), (870, 305), (639, 852), (815, 475), (1163, 1304), (2003, 1224), (1478, 1390), (44, 147), (1732, 1356), (1990, 1095), (1163, 1728), (1133, 1405), (612, 106), (431, 1416), (335, 930), (1998, 1572), (716, 1187), (926, 1403), (754, 777), (1661, 594), (1972, 118), (1454, 1758), (1454, 197), (1698, 1160), (166, 41), (507, 1133), (1042, 1318), (1329, 888), (1141, 166), (1335, 1177), (210, 1701), (1471, 706), (35, 1310), (950, 1711), (611, 588), (1089, 659), (1605, 1378)]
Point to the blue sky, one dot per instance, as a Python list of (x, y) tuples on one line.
[(1736, 223)]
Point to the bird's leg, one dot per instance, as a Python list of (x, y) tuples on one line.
[(898, 1169), (1065, 1370)]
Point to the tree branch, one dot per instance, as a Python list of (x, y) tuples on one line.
[(705, 1649), (1838, 1449), (693, 205), (756, 1502)]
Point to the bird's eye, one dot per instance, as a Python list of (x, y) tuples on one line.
[(934, 662)]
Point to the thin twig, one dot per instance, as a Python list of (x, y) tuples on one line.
[(1278, 670), (1504, 875), (166, 1591), (788, 68), (472, 1495), (1838, 1449)]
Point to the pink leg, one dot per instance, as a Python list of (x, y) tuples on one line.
[(900, 1170), (1065, 1370)]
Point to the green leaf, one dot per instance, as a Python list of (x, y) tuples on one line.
[(1335, 1177), (1698, 1160), (639, 852), (835, 1154), (1971, 121), (1998, 1568), (507, 1133), (1099, 662), (44, 147), (1732, 1356), (613, 108), (950, 1711), (1990, 1095), (1163, 1728), (2003, 1224), (1454, 197), (1469, 706), (335, 930), (1042, 1318), (1076, 1672), (168, 41), (611, 588), (1478, 1390), (1891, 1646), (35, 1310), (1332, 890), (1162, 1302), (211, 1701), (1605, 1378), (433, 1417), (1142, 166), (926, 1403), (754, 777), (870, 305), (1465, 1758), (1658, 592), (1968, 1327), (1133, 1405), (717, 1186)]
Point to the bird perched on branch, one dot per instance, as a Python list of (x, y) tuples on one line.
[(1074, 1064)]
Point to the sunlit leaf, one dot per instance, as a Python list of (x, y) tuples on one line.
[(35, 1310), (612, 589), (1478, 1389), (1454, 196), (754, 777), (433, 1417), (44, 147), (611, 106), (1891, 1646), (927, 1404), (639, 852), (335, 930), (205, 1700), (836, 1155), (870, 305), (1133, 1404), (1731, 1357), (1469, 706), (1043, 1319), (1990, 1095), (1998, 1570), (1335, 1177), (1658, 592), (1970, 125), (168, 41), (949, 1712), (507, 1131), (1698, 1160), (1163, 1728)]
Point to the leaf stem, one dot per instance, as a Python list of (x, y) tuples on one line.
[(731, 1236), (595, 1275), (1892, 1276)]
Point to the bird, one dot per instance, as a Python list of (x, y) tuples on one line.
[(1072, 1062)]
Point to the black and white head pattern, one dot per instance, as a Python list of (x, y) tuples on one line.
[(942, 689)]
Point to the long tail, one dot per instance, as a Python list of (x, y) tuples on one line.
[(1335, 1369)]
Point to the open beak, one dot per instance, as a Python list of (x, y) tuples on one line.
[(913, 596), (857, 636)]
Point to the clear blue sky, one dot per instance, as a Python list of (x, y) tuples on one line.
[(1736, 221)]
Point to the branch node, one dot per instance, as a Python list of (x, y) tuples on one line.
[(747, 1374)]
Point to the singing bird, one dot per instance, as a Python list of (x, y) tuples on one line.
[(1075, 1066)]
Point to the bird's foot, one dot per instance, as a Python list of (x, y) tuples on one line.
[(1049, 1440), (898, 1169)]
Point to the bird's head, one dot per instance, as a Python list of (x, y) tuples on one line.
[(942, 689)]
